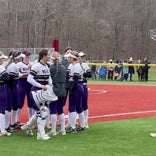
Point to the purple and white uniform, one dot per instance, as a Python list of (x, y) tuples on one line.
[(39, 75), (76, 92), (13, 73), (3, 96), (24, 87), (86, 74)]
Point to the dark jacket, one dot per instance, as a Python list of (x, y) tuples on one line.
[(58, 75)]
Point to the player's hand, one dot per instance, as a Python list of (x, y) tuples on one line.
[(44, 87)]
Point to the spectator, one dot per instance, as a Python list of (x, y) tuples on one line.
[(145, 68), (93, 71), (125, 71), (102, 71), (131, 69), (110, 70)]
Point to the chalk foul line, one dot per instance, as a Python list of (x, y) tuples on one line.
[(122, 114)]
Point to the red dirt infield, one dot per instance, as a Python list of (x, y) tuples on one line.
[(116, 102)]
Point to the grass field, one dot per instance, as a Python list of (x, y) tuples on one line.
[(117, 138)]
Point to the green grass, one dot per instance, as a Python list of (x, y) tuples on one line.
[(117, 138), (152, 80)]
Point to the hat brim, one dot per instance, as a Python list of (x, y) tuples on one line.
[(70, 55), (81, 54), (20, 56), (3, 57)]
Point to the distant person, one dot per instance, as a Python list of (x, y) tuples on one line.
[(116, 71), (93, 71), (110, 70), (125, 71), (102, 71), (130, 69), (139, 71), (145, 68)]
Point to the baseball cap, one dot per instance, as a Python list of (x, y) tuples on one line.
[(72, 54), (18, 55), (81, 54), (2, 56)]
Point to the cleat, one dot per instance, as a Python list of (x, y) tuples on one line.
[(43, 137), (5, 134), (153, 135), (71, 130), (50, 134), (24, 127), (62, 132), (29, 132), (10, 130), (79, 128), (15, 126)]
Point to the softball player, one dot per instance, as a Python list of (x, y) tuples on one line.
[(3, 96), (24, 87), (13, 72), (39, 77), (75, 81), (86, 74)]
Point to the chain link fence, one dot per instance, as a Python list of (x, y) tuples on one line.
[(34, 51)]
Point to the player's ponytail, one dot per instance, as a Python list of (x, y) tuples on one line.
[(42, 53)]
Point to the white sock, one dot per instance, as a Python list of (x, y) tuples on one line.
[(62, 122), (18, 114), (32, 121), (72, 119), (41, 126), (53, 123), (2, 123), (14, 117), (48, 118), (30, 112), (7, 119), (82, 119), (86, 112)]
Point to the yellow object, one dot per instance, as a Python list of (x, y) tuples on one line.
[(88, 88), (115, 64)]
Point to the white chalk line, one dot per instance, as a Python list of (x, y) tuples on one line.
[(119, 114), (97, 91), (123, 114), (115, 115)]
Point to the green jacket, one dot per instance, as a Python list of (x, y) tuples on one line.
[(58, 75)]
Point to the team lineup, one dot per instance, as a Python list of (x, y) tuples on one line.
[(46, 82)]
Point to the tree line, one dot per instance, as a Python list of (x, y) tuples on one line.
[(104, 29)]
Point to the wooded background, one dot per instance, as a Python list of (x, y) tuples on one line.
[(104, 29)]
